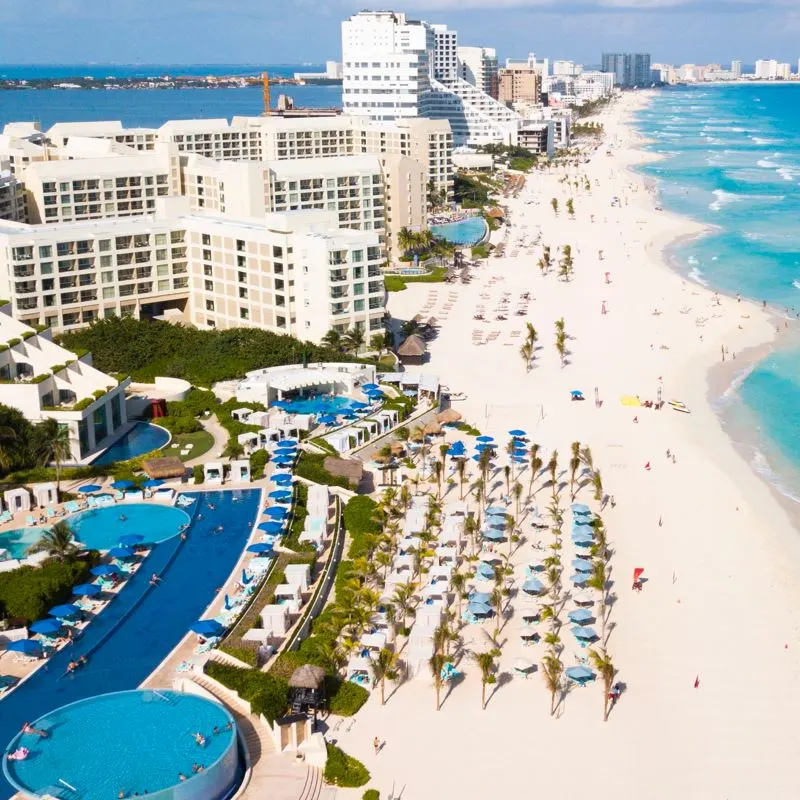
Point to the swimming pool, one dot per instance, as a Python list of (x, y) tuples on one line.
[(465, 232), (133, 742), (18, 541), (141, 438), (100, 528), (134, 633), (316, 404)]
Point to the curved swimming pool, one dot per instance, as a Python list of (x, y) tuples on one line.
[(141, 438), (466, 232), (101, 528), (316, 404), (137, 742)]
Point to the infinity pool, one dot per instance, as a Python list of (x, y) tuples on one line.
[(135, 742), (100, 528), (141, 438), (466, 232), (316, 404)]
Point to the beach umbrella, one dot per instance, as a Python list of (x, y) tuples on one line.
[(86, 590), (583, 634), (281, 478), (490, 558), (65, 610), (287, 443), (327, 419), (152, 483), (576, 393), (479, 609), (523, 665), (517, 433), (485, 570), (281, 495), (582, 542), (260, 547), (121, 552), (89, 488), (581, 565), (271, 527), (104, 569), (27, 646), (357, 404), (533, 586), (130, 539), (519, 459), (485, 439), (484, 446), (46, 626), (122, 484), (276, 512), (581, 675), (580, 615), (493, 535), (496, 520), (480, 597), (370, 387), (496, 510), (580, 508), (579, 578), (583, 599), (207, 627)]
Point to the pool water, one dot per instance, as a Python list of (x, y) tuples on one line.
[(141, 438), (18, 541), (316, 404), (100, 528), (465, 232), (133, 741), (135, 632)]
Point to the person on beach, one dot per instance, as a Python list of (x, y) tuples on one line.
[(376, 745)]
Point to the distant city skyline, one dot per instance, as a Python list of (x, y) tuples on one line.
[(215, 31)]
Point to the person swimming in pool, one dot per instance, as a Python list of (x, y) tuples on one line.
[(28, 728), (200, 739), (123, 518)]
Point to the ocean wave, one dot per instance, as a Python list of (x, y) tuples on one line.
[(787, 174), (761, 140), (723, 199), (697, 276), (762, 467), (796, 283), (765, 163), (692, 260)]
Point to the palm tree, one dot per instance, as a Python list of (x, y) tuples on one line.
[(406, 239), (597, 482), (377, 342), (471, 528), (507, 475), (485, 463), (554, 204), (438, 469), (496, 601), (383, 667), (586, 457), (403, 599), (53, 445), (533, 452), (552, 669), (526, 353), (354, 339), (598, 580), (9, 447), (601, 661), (552, 466), (233, 449), (333, 339), (458, 583), (574, 464), (517, 492), (461, 469), (486, 664), (570, 208), (436, 663), (561, 347), (58, 542)]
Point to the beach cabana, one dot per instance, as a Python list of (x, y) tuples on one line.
[(45, 494), (17, 500), (213, 472), (307, 688), (249, 441), (275, 619), (164, 468), (240, 471), (359, 670), (448, 417), (413, 350)]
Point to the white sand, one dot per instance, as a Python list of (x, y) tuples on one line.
[(721, 601)]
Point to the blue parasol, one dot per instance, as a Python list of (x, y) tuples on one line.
[(89, 488), (130, 539), (271, 527), (533, 586), (121, 552), (151, 483), (86, 590), (122, 484), (66, 610), (27, 646), (581, 675), (580, 615), (207, 627), (516, 433), (104, 569), (276, 512), (46, 626), (260, 547)]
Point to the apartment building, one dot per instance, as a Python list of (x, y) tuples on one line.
[(95, 188), (234, 188), (478, 66), (45, 381), (520, 83), (213, 138), (629, 69), (12, 196), (211, 271)]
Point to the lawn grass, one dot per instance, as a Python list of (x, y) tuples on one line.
[(203, 441), (396, 283)]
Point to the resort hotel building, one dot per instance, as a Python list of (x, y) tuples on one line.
[(44, 381)]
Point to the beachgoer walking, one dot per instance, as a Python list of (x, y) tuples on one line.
[(376, 745), (697, 682), (647, 466), (660, 523)]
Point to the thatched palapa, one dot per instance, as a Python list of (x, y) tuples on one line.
[(447, 416), (167, 467)]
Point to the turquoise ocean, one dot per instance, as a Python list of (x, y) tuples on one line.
[(731, 159)]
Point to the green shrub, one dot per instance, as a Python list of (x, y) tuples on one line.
[(179, 425), (359, 519), (81, 404), (344, 698), (371, 794), (258, 461), (266, 693), (311, 466), (198, 473), (299, 514), (28, 334), (344, 770), (28, 592), (14, 342), (40, 378), (3, 348), (246, 654)]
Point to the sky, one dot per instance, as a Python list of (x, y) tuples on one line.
[(296, 31)]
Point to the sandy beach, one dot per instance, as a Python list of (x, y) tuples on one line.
[(721, 605)]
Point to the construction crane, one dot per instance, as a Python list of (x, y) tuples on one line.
[(267, 103)]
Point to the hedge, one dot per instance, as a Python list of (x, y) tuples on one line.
[(179, 425), (311, 467), (371, 794), (359, 520), (344, 770), (27, 593), (258, 461), (344, 698), (266, 693)]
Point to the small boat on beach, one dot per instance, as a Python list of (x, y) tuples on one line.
[(677, 405)]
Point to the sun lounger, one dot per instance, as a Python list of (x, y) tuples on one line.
[(50, 513)]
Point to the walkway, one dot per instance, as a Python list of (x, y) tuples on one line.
[(212, 426)]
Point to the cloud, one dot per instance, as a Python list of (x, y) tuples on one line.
[(592, 6)]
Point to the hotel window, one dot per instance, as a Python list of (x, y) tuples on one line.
[(104, 245), (163, 286), (108, 292), (244, 313), (161, 238), (209, 305), (209, 286), (280, 322), (162, 269), (358, 305), (46, 268), (243, 292), (46, 251), (242, 276)]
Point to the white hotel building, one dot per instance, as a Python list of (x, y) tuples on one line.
[(296, 273)]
